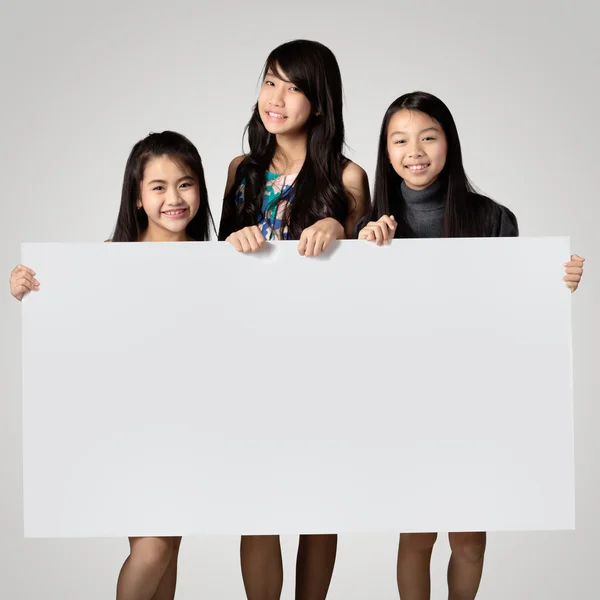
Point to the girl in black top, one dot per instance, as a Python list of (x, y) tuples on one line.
[(421, 190)]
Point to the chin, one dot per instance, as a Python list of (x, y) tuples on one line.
[(274, 129), (177, 228)]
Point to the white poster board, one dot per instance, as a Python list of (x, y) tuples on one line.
[(177, 389)]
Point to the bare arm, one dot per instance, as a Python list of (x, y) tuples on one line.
[(231, 171), (356, 184)]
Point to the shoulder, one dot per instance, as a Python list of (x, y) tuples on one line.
[(497, 209), (356, 185), (236, 162), (232, 172), (506, 213), (105, 241), (501, 219), (353, 175)]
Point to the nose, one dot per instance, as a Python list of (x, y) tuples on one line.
[(174, 198), (415, 150), (276, 98)]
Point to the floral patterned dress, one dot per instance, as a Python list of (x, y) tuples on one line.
[(279, 193)]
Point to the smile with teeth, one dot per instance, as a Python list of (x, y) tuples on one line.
[(275, 115), (174, 213), (417, 168)]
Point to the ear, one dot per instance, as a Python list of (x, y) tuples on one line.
[(138, 203)]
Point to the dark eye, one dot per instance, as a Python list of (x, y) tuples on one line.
[(158, 188), (269, 82), (186, 184), (428, 138)]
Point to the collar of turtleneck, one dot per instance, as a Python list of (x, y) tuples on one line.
[(428, 199)]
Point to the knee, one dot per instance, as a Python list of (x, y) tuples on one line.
[(468, 546), (417, 542), (153, 553)]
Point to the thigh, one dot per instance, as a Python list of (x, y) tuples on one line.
[(154, 546), (417, 541)]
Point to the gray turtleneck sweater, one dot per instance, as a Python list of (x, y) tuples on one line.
[(424, 213), (424, 210)]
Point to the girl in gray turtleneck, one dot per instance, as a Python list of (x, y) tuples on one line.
[(421, 190), (424, 213)]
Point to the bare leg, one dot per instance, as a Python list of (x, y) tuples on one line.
[(146, 565), (466, 565), (166, 588), (262, 566), (413, 571), (314, 566)]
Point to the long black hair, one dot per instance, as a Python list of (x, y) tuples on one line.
[(318, 189), (467, 213), (132, 222)]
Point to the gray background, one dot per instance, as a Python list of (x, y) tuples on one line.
[(82, 82)]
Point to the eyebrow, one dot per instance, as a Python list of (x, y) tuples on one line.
[(270, 73), (420, 132), (163, 181)]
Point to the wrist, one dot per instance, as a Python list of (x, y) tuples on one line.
[(338, 228)]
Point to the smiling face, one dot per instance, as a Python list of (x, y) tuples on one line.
[(170, 197), (283, 108), (417, 148)]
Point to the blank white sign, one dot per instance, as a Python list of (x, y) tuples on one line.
[(177, 389)]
